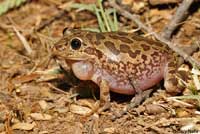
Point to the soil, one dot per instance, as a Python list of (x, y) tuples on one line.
[(36, 100)]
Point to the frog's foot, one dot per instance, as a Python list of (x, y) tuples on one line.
[(171, 77), (137, 100)]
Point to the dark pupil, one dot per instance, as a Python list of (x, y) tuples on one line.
[(75, 44)]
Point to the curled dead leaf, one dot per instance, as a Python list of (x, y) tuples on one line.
[(154, 109), (110, 130), (40, 116), (79, 109), (24, 126), (43, 104)]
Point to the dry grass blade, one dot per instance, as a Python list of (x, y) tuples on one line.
[(24, 41), (195, 78)]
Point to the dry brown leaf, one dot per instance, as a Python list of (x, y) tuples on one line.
[(155, 109), (110, 130), (25, 78), (61, 110), (44, 132), (79, 109), (40, 116), (43, 104), (24, 126), (87, 102), (166, 14)]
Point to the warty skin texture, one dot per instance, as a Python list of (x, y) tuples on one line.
[(127, 62)]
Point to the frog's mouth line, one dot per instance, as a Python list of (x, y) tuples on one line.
[(71, 57), (75, 58)]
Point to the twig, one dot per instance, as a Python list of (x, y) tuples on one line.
[(159, 2), (178, 17), (51, 20), (127, 14), (57, 89), (135, 18), (24, 41)]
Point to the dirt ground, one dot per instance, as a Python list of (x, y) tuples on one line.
[(36, 100)]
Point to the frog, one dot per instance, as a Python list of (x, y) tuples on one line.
[(121, 62)]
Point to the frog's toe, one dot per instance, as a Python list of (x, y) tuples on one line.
[(105, 107), (172, 86)]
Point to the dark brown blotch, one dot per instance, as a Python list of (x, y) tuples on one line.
[(159, 44), (113, 36), (172, 64), (144, 57), (149, 41), (89, 36), (184, 75), (126, 40), (145, 47), (173, 71), (134, 54), (124, 48), (173, 81), (105, 93), (122, 33), (137, 37), (100, 36), (93, 51), (122, 39), (155, 54), (97, 42), (111, 46)]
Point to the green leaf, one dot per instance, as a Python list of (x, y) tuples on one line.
[(106, 23), (6, 5), (100, 21)]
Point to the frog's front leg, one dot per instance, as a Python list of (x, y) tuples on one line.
[(104, 96), (104, 103)]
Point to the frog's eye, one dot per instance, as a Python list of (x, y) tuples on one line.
[(75, 43)]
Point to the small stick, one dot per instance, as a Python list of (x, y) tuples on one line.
[(135, 18), (160, 2), (179, 16), (51, 20)]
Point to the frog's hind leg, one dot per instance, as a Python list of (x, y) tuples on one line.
[(171, 76)]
